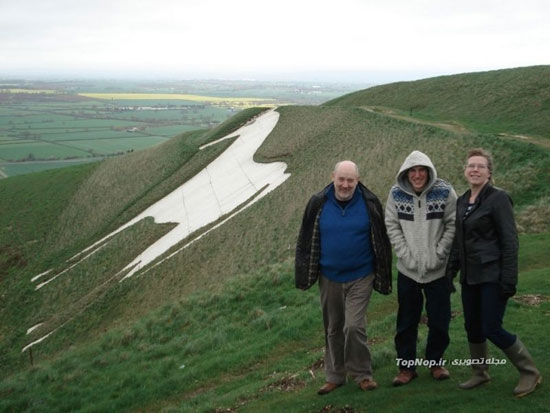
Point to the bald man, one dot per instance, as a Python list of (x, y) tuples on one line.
[(343, 243)]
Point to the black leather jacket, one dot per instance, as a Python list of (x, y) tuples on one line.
[(485, 248)]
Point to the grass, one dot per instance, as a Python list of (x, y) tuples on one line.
[(534, 218), (22, 168), (109, 146), (35, 238), (175, 336), (250, 240), (41, 150), (123, 187), (252, 344), (515, 101), (220, 326), (31, 205)]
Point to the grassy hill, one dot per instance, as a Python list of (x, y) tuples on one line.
[(219, 327), (512, 101)]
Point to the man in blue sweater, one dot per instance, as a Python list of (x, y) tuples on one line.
[(343, 243)]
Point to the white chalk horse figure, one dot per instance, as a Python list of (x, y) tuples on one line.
[(225, 184)]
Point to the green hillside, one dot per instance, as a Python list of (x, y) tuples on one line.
[(511, 101), (220, 327)]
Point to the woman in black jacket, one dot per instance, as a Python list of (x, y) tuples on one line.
[(485, 250)]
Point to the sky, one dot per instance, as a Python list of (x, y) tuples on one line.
[(337, 40)]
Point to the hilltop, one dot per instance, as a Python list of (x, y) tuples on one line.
[(509, 101), (220, 326)]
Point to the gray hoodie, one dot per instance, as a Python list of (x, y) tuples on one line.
[(421, 227)]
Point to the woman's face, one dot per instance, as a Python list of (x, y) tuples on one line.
[(476, 172)]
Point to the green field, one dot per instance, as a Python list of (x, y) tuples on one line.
[(110, 146), (45, 132), (82, 116), (39, 150)]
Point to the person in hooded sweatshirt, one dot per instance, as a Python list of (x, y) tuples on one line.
[(420, 220)]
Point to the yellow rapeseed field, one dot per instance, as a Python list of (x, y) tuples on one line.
[(174, 96)]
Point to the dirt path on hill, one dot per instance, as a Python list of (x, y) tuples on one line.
[(450, 126), (545, 143), (454, 126)]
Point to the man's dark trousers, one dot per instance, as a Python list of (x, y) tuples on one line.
[(438, 309)]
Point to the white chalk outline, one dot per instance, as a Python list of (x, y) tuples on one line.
[(225, 184)]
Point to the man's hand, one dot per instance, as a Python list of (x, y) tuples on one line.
[(450, 285)]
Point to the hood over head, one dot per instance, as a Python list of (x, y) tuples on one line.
[(415, 158)]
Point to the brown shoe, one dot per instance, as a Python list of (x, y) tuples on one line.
[(440, 373), (367, 385), (404, 377), (327, 388)]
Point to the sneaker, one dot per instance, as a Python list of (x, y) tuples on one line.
[(404, 377), (439, 373)]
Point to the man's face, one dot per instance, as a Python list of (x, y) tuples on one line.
[(345, 180), (418, 177)]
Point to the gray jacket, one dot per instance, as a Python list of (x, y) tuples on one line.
[(421, 227)]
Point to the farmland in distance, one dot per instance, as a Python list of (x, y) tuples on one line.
[(52, 124)]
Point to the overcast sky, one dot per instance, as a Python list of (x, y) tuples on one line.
[(336, 40)]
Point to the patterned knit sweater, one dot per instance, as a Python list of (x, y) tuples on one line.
[(421, 227)]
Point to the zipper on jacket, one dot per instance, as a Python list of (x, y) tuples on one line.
[(343, 209), (419, 203)]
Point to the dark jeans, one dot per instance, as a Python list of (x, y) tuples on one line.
[(483, 313), (438, 308)]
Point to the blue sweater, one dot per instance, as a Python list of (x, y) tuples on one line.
[(346, 250)]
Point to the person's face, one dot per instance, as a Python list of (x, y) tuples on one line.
[(345, 180), (418, 177), (477, 172)]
